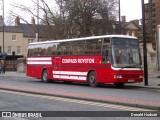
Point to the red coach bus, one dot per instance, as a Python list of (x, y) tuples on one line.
[(94, 60)]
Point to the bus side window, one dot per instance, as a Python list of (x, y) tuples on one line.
[(93, 47), (54, 49), (80, 45), (59, 49), (73, 48)]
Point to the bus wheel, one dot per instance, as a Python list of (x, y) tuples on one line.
[(92, 79), (45, 76), (119, 84)]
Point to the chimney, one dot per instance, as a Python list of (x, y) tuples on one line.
[(123, 19), (33, 20), (17, 21), (137, 22)]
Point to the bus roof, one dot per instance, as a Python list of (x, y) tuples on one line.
[(84, 38)]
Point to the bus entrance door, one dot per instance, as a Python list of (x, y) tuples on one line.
[(105, 54), (56, 71)]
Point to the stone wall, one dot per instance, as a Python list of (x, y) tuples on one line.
[(21, 65), (151, 61)]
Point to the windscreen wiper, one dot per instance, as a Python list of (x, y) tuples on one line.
[(139, 66), (131, 66), (128, 66)]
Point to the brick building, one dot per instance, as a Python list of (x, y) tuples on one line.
[(152, 16)]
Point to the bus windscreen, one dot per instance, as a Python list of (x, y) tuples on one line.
[(125, 53)]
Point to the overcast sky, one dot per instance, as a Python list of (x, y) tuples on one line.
[(130, 8)]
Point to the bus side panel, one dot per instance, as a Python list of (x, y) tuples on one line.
[(75, 68), (28, 71), (36, 65), (104, 73), (33, 71)]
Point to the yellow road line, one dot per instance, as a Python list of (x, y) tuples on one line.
[(120, 107)]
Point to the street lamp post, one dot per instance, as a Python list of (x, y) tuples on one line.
[(119, 17), (144, 45), (37, 35), (3, 25)]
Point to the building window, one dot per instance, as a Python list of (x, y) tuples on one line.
[(9, 49), (133, 33), (18, 49), (30, 41), (13, 37)]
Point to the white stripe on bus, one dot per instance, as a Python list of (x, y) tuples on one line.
[(69, 77), (39, 63), (70, 73), (113, 68), (39, 58), (84, 38)]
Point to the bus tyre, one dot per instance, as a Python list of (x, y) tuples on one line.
[(119, 84), (92, 79), (45, 76)]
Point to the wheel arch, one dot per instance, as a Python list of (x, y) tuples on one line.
[(43, 70), (49, 70), (45, 75), (90, 72)]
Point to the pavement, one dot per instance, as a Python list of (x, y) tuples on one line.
[(153, 83)]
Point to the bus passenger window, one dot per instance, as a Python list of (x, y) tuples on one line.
[(54, 48)]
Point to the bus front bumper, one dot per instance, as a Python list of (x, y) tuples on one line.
[(133, 78)]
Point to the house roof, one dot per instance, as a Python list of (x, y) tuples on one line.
[(14, 29), (28, 30), (133, 22)]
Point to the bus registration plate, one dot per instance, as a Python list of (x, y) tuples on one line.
[(131, 80)]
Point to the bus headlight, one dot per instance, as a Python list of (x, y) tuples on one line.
[(141, 76), (117, 76)]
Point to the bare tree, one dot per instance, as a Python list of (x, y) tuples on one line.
[(74, 18)]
